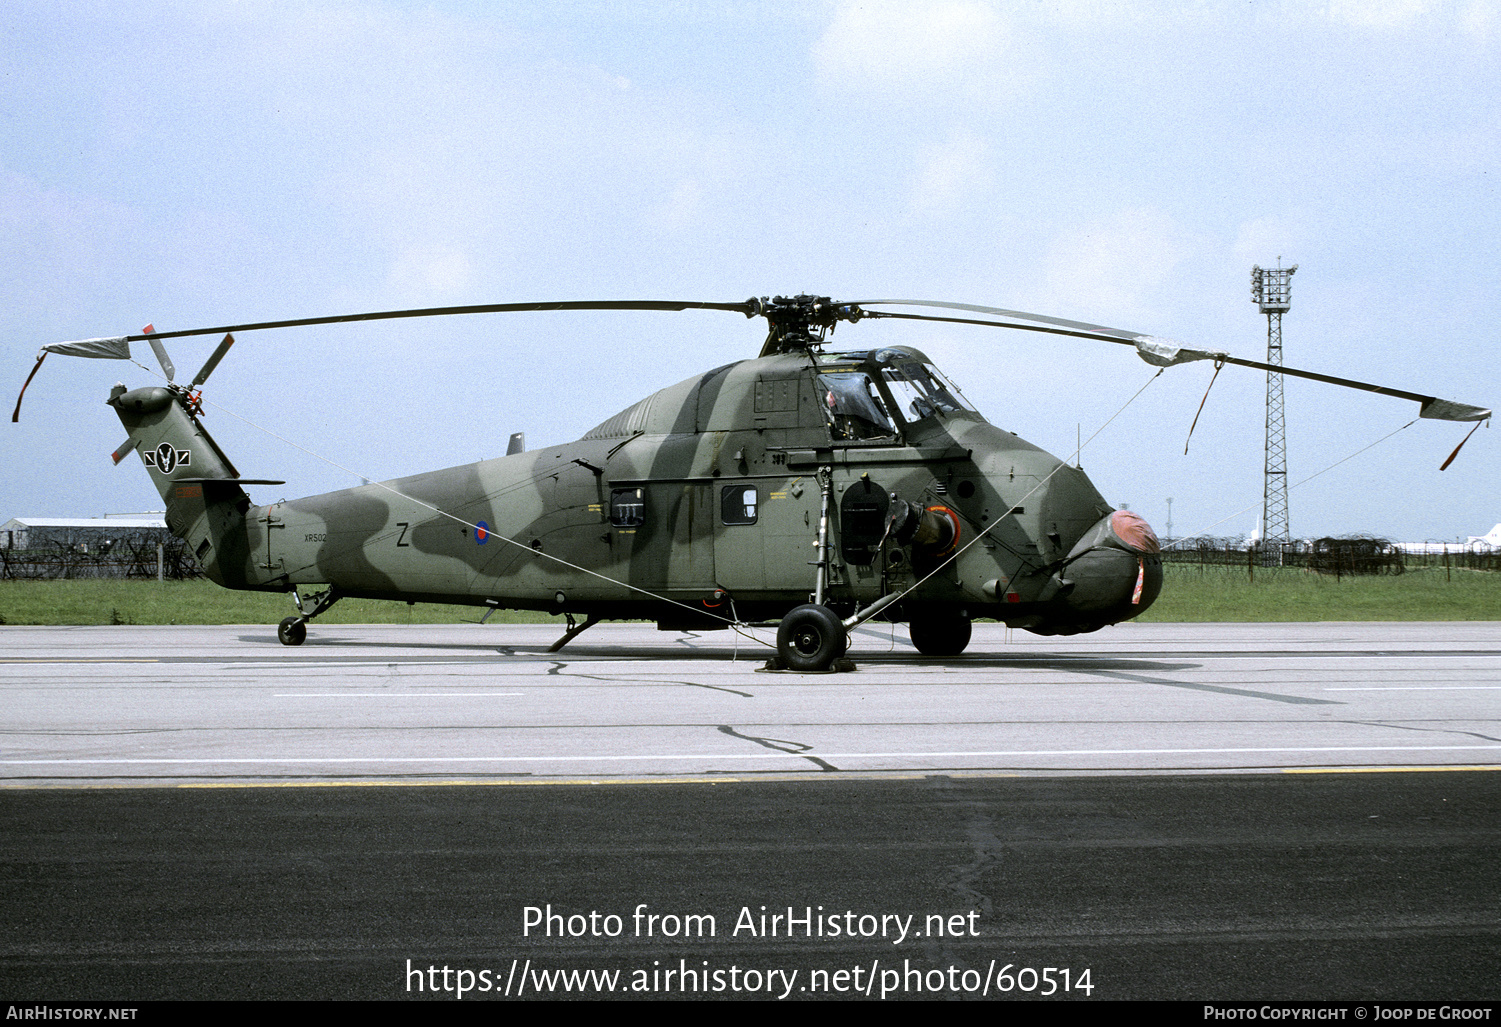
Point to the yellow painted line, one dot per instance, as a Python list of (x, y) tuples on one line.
[(460, 783), (779, 778), (810, 775), (1388, 770)]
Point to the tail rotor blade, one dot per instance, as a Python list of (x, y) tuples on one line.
[(161, 352), (213, 361), (124, 450)]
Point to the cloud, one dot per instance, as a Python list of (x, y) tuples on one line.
[(913, 52), (951, 172), (1481, 18), (58, 235), (683, 208), (1379, 14), (1115, 265), (1261, 240), (432, 270)]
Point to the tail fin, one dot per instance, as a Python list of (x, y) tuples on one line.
[(206, 505)]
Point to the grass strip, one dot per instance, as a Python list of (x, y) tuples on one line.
[(1189, 593), (105, 601)]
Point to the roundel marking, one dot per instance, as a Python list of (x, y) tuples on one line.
[(166, 458), (481, 533)]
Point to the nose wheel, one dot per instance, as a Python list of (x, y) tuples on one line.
[(293, 630)]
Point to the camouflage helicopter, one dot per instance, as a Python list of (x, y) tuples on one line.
[(807, 487)]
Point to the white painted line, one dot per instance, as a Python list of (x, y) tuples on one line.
[(371, 664), (760, 756), (24, 661), (1417, 688), (388, 695)]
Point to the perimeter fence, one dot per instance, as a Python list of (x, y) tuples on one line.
[(62, 554), (1354, 554)]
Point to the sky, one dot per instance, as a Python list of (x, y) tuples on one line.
[(197, 164)]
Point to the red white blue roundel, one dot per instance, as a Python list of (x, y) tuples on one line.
[(481, 533)]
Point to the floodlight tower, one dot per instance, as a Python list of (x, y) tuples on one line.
[(1271, 290)]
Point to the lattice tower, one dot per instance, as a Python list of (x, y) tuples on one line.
[(1271, 291)]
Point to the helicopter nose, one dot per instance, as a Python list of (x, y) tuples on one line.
[(1115, 569)]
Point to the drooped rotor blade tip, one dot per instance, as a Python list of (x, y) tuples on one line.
[(1161, 352), (1447, 410), (115, 347), (1445, 465), (16, 415)]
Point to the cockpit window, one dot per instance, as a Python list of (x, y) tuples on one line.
[(920, 391), (853, 407)]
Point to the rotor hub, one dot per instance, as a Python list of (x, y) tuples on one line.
[(799, 322)]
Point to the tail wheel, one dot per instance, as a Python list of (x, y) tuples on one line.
[(811, 638), (292, 631), (941, 635)]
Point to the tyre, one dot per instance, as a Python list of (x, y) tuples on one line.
[(944, 635), (811, 638), (292, 631)]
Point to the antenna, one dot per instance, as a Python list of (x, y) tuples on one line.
[(1271, 290)]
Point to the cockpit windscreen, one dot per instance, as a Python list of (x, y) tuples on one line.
[(920, 390)]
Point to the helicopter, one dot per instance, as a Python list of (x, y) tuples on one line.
[(808, 487)]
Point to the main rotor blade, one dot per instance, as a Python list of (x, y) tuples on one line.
[(1091, 330), (1162, 352), (1432, 406), (482, 308)]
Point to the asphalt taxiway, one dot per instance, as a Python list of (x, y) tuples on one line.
[(176, 704), (1257, 812)]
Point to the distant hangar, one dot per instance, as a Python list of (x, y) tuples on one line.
[(93, 533)]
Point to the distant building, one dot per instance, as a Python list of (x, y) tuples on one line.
[(126, 546), (1488, 543), (82, 534)]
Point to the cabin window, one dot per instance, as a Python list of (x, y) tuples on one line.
[(738, 503), (628, 508), (853, 406)]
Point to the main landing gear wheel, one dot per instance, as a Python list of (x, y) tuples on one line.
[(292, 631), (811, 638), (945, 635)]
